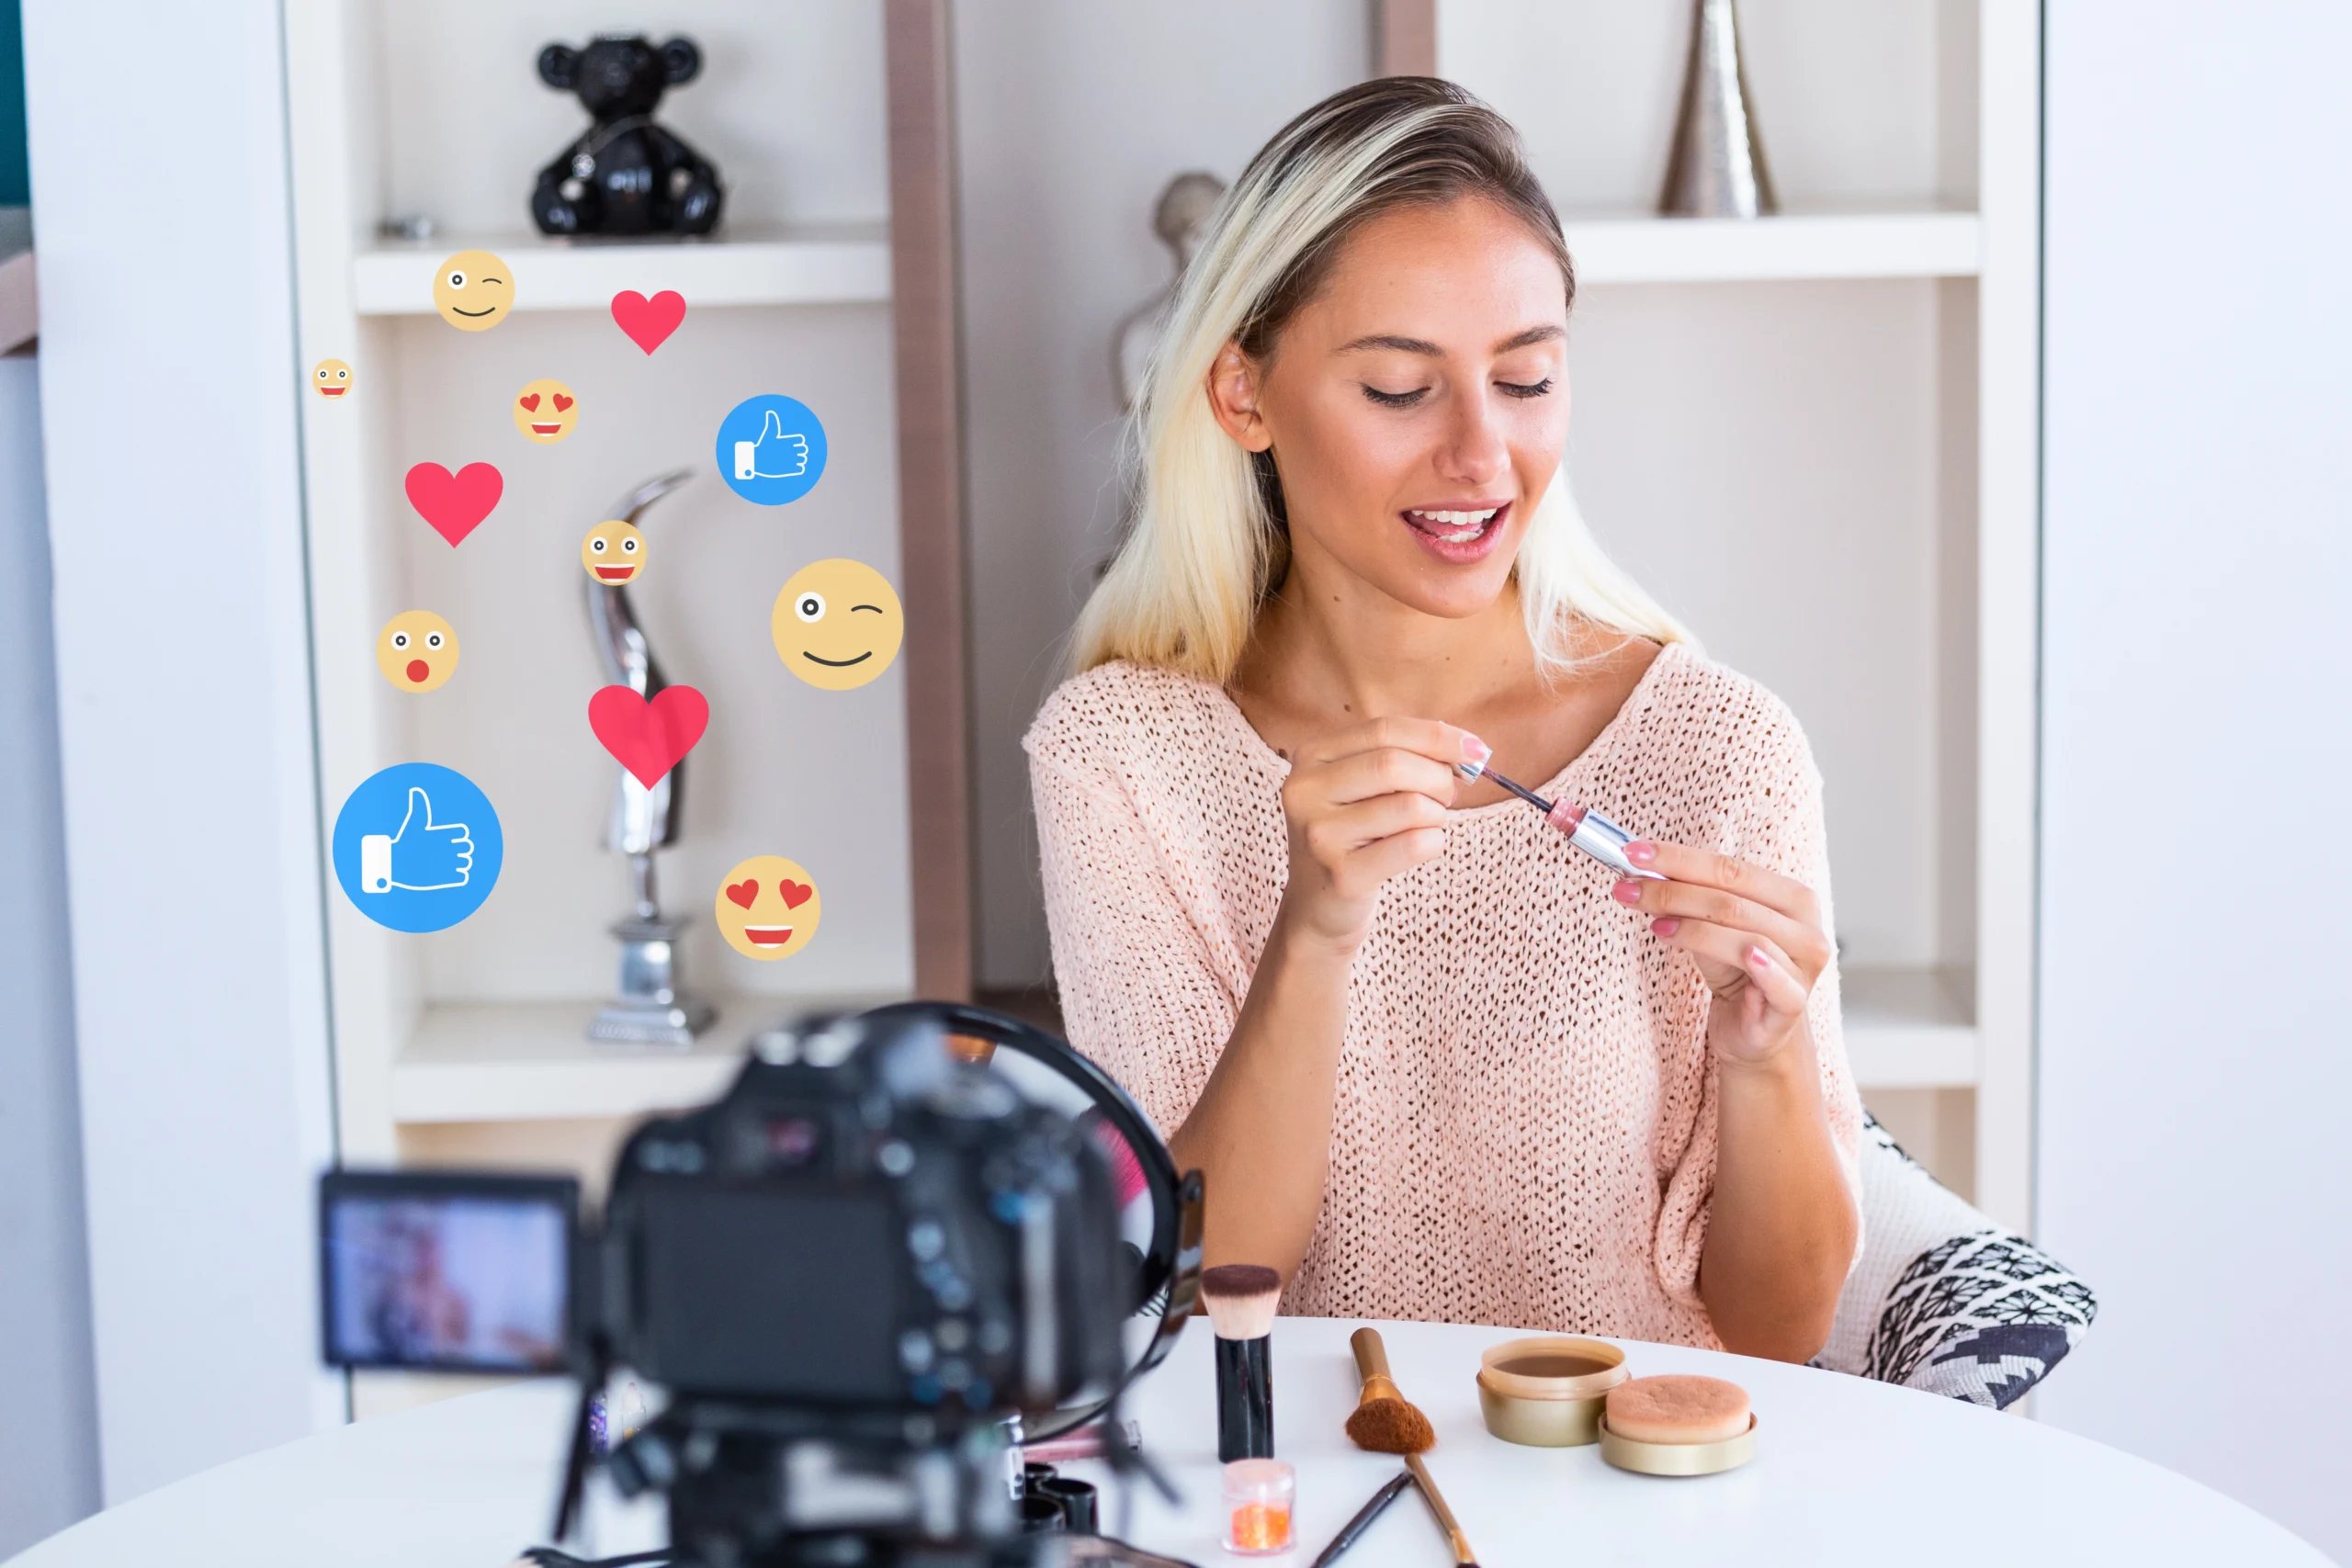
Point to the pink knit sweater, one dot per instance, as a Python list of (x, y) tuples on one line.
[(1525, 1127)]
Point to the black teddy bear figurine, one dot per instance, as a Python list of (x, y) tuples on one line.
[(627, 175)]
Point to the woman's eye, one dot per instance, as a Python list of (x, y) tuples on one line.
[(457, 280), (1524, 388), (809, 606), (1396, 399)]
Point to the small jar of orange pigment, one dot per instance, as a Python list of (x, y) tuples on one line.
[(1258, 1498)]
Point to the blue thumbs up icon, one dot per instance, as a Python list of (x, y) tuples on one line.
[(417, 847), (771, 449)]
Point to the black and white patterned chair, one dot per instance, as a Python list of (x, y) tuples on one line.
[(1944, 1300)]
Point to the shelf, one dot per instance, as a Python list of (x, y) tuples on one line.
[(1909, 1028), (838, 264), (532, 1061), (1641, 249)]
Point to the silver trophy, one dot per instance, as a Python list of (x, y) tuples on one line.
[(649, 1009), (1716, 169)]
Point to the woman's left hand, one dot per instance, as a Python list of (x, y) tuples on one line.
[(1756, 934)]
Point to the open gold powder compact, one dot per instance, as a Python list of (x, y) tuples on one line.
[(1678, 1426), (1547, 1391)]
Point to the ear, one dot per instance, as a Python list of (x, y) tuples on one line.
[(559, 66), (682, 60), (1233, 390)]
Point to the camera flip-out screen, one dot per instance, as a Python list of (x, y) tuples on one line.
[(446, 1273)]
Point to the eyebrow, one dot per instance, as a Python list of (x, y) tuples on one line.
[(1547, 332), (855, 608)]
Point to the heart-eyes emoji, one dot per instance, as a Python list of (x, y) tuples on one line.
[(767, 907), (546, 412)]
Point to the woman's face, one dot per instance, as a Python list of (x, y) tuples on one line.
[(1418, 406)]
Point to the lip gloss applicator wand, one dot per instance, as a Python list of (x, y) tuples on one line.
[(1588, 829)]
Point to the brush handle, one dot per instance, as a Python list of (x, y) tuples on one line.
[(1462, 1556), (1371, 1356), (1245, 1399), (1352, 1532)]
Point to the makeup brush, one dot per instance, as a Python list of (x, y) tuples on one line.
[(1588, 829), (1386, 1423), (1240, 1299)]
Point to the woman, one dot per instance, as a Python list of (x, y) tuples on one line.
[(1434, 1062)]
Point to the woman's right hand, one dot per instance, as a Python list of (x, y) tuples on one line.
[(1365, 804)]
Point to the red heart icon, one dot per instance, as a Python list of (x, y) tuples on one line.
[(743, 892), (530, 401), (794, 892), (649, 738), (562, 402), (648, 322), (454, 504)]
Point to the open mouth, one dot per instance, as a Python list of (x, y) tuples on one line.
[(333, 391), (767, 936), (616, 574), (546, 430), (419, 670), (1458, 533), (837, 663)]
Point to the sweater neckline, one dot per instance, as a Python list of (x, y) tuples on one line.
[(1601, 746)]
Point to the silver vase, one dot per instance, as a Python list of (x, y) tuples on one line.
[(1717, 168)]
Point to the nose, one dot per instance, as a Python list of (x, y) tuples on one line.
[(1475, 453)]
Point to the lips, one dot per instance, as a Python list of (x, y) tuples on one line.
[(546, 430), (1458, 533), (767, 936), (419, 670), (621, 573)]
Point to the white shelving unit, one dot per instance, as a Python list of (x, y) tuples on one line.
[(1815, 434), (833, 264)]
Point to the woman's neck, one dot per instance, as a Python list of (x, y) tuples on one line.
[(1329, 642)]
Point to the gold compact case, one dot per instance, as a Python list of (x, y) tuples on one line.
[(1547, 1391), (1679, 1458)]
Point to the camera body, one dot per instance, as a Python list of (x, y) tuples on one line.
[(843, 1279)]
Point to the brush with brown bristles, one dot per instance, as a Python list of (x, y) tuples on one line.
[(1385, 1422), (1240, 1299)]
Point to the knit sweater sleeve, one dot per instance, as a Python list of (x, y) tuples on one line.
[(1140, 994), (1777, 823)]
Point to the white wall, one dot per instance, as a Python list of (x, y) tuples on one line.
[(2194, 1066), (49, 1453), (168, 381), (1070, 116)]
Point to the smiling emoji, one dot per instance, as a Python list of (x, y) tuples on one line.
[(767, 907), (546, 412), (416, 650), (837, 625), (473, 291), (614, 553), (332, 379)]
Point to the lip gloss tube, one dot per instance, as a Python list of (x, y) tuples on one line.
[(1596, 836)]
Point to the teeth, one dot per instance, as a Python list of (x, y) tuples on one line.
[(1470, 520)]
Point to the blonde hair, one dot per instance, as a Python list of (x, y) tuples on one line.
[(1208, 539)]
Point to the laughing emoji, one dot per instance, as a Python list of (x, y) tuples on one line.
[(473, 291), (332, 379), (767, 907), (614, 553), (416, 650), (546, 412)]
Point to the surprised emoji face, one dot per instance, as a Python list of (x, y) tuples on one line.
[(614, 553), (416, 650), (767, 907)]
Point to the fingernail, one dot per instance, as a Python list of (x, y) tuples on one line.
[(1759, 959), (1474, 753), (1628, 892), (1641, 852), (1665, 925)]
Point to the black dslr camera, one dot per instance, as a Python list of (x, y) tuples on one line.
[(903, 1241)]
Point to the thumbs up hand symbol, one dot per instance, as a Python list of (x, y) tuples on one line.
[(422, 857), (775, 456)]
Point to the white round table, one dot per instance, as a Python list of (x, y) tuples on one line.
[(1845, 1472)]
